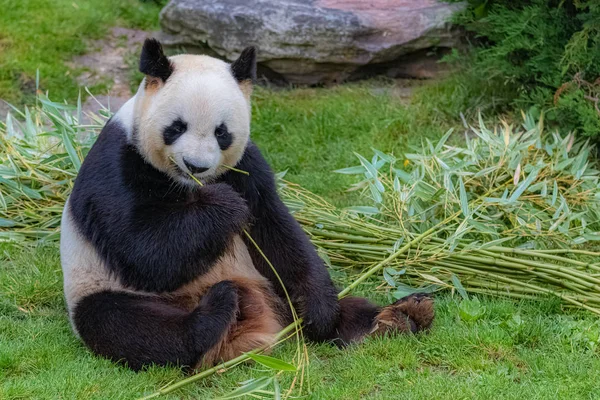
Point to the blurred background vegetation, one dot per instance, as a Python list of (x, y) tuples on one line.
[(535, 53), (45, 34), (529, 54)]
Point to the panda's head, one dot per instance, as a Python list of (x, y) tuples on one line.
[(191, 113)]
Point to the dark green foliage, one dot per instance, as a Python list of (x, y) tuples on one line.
[(543, 53)]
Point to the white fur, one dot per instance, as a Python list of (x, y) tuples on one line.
[(125, 116), (83, 270)]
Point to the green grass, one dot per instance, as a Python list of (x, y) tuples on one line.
[(311, 132), (45, 34), (308, 132), (546, 358)]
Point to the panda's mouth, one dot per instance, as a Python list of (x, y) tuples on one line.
[(183, 175), (180, 171), (189, 178)]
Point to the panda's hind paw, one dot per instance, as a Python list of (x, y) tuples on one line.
[(413, 313), (222, 298)]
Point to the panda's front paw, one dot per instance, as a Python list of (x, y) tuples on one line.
[(227, 203), (220, 193)]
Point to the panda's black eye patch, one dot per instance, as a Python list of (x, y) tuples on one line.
[(172, 132), (224, 137)]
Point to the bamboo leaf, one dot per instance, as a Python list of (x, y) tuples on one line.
[(386, 157), (389, 279), (394, 272), (7, 223), (443, 141), (594, 237), (554, 193), (71, 151), (371, 171), (404, 176), (459, 287), (434, 279), (403, 290), (249, 387), (359, 169), (523, 186), (271, 362), (464, 202), (442, 163), (517, 175), (397, 184), (375, 193)]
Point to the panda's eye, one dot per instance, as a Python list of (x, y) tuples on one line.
[(172, 132), (221, 130), (224, 138)]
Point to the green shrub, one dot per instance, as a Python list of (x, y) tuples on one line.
[(546, 53)]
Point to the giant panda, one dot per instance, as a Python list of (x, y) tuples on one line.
[(158, 268)]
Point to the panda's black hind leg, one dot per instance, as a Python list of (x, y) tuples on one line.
[(142, 330)]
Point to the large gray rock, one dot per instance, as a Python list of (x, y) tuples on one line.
[(313, 41)]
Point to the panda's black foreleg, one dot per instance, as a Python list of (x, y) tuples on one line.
[(142, 330), (281, 238)]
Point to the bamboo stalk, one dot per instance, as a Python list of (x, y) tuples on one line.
[(539, 288)]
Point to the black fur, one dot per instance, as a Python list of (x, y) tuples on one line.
[(153, 61), (286, 245), (142, 330), (152, 234), (244, 68), (357, 316), (224, 137), (172, 132)]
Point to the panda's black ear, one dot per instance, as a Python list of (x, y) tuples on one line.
[(244, 68), (153, 61)]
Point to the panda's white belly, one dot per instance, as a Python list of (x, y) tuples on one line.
[(85, 272), (235, 265)]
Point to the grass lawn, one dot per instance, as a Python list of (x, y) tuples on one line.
[(311, 132), (546, 357), (515, 350)]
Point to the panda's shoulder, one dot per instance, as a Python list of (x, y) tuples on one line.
[(110, 143), (254, 160), (104, 158), (99, 183)]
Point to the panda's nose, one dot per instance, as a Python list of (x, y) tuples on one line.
[(194, 169)]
